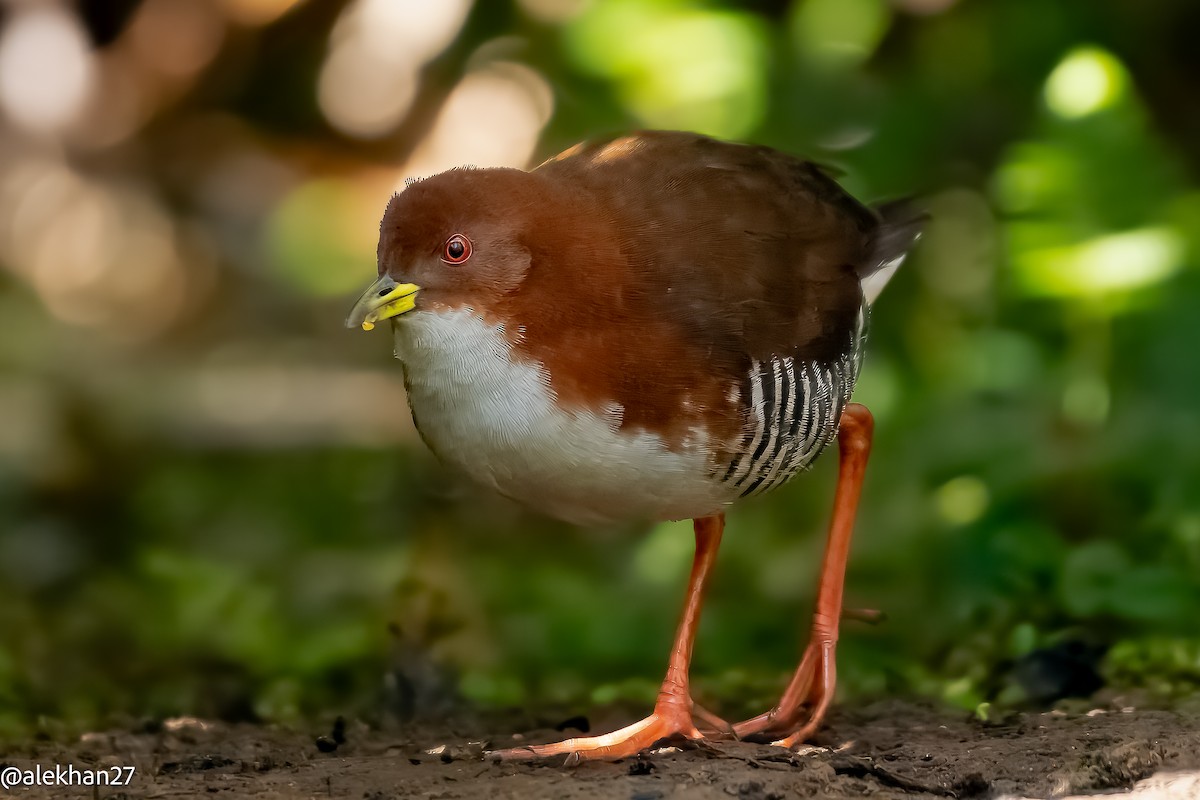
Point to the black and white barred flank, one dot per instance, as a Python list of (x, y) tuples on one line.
[(794, 409)]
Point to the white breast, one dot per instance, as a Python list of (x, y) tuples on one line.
[(496, 419)]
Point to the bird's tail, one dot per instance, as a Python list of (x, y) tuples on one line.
[(901, 222)]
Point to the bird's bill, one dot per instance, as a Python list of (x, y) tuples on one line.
[(384, 299)]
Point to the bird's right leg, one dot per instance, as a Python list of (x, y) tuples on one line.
[(807, 697)]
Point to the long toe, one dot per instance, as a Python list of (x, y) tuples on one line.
[(712, 722), (661, 726)]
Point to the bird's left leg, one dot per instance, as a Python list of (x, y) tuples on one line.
[(808, 695), (672, 716)]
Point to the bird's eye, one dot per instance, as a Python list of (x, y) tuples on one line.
[(457, 249)]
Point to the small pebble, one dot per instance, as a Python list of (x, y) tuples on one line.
[(642, 766)]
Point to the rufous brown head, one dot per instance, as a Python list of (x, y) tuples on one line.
[(458, 239)]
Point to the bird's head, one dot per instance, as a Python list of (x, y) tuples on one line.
[(458, 239)]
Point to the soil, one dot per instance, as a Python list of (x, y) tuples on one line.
[(886, 750)]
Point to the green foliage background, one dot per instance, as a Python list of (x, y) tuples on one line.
[(222, 514)]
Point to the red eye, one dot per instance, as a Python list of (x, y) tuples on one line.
[(457, 249)]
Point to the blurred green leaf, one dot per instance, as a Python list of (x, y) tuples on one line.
[(1091, 578)]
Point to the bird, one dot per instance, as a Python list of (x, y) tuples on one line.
[(650, 326)]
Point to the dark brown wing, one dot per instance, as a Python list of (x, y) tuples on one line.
[(755, 252)]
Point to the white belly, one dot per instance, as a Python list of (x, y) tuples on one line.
[(496, 420)]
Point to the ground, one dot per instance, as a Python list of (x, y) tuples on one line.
[(886, 750)]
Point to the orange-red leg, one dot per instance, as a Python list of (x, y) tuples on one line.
[(808, 695), (672, 716)]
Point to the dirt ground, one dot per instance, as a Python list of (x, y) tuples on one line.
[(886, 750)]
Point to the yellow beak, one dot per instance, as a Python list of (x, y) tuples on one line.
[(384, 299)]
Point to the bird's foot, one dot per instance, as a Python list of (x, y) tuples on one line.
[(803, 705), (769, 727), (669, 722)]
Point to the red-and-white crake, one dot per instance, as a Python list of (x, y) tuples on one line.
[(649, 327)]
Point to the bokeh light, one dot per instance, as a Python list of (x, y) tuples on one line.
[(839, 34), (962, 500), (553, 11), (1077, 234), (1110, 263), (46, 67), (257, 12), (492, 118), (376, 49), (1084, 82), (177, 38), (677, 66), (321, 237)]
